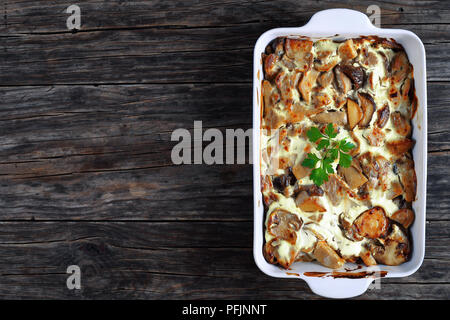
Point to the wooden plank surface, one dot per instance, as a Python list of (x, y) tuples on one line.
[(85, 171)]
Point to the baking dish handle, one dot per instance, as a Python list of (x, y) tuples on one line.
[(340, 20), (339, 288)]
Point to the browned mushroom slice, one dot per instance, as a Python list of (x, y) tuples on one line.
[(335, 189), (300, 51), (383, 116), (300, 171), (375, 137), (311, 189), (395, 190), (356, 74), (307, 203), (355, 151), (393, 250), (401, 124), (394, 96), (400, 67), (370, 59), (283, 225), (273, 255), (288, 63), (306, 84), (404, 216), (368, 107), (407, 177), (286, 83), (406, 89), (354, 113), (270, 94), (343, 82), (273, 119), (347, 50), (353, 176), (400, 147), (271, 66), (375, 168), (321, 99), (372, 223), (335, 117), (326, 66), (325, 78), (327, 256), (367, 258), (348, 230), (388, 44)]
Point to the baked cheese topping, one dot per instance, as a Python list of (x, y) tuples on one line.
[(365, 88)]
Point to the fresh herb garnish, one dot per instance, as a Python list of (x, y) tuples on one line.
[(330, 151)]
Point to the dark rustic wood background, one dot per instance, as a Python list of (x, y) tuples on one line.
[(85, 170)]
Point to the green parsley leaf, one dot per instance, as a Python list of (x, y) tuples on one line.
[(314, 134), (329, 131), (346, 146), (330, 152), (310, 161), (345, 159), (318, 176), (324, 143)]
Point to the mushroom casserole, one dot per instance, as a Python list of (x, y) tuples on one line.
[(364, 87)]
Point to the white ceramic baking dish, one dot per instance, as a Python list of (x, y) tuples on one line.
[(342, 24)]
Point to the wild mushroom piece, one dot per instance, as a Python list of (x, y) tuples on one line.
[(404, 216), (347, 50), (348, 230), (310, 189), (353, 176), (326, 66), (343, 82), (355, 73), (271, 66), (372, 223), (273, 253), (321, 99), (401, 124), (394, 249), (300, 171), (336, 117), (327, 256), (383, 116), (400, 147), (376, 169), (306, 84), (354, 113), (368, 107), (375, 137), (310, 204), (395, 190), (270, 94), (286, 83), (325, 79), (400, 67), (283, 225), (367, 258), (407, 177), (300, 51), (335, 189)]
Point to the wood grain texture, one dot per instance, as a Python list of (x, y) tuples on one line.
[(162, 260), (85, 171)]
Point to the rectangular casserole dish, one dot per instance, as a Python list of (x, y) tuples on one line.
[(341, 24)]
